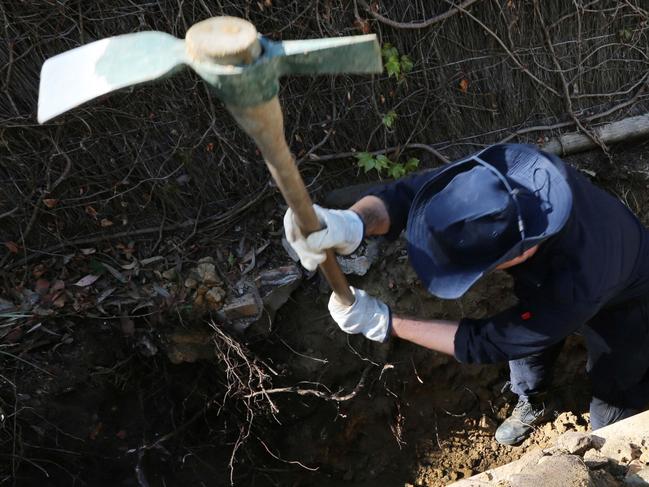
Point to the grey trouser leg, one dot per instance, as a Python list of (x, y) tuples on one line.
[(602, 413), (532, 375)]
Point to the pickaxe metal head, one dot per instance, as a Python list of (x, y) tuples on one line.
[(242, 66)]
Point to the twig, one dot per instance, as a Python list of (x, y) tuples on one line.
[(507, 50), (215, 219), (416, 25), (397, 148), (313, 392), (292, 462), (9, 213), (564, 83), (605, 113)]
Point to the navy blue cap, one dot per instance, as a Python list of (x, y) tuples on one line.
[(482, 211)]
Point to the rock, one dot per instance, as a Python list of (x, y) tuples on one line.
[(208, 259), (354, 265), (146, 347), (199, 298), (565, 422), (635, 466), (190, 346), (640, 477), (593, 459), (214, 298), (170, 274), (577, 443), (276, 285), (360, 261), (644, 457), (191, 283), (554, 471), (603, 478), (206, 272), (487, 424), (621, 450), (246, 306)]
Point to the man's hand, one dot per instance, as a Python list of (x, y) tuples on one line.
[(368, 315), (342, 230)]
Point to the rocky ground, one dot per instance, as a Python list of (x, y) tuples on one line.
[(614, 456)]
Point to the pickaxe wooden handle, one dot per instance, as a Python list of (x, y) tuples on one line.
[(265, 124), (243, 70)]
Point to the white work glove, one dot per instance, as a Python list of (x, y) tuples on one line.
[(342, 230), (368, 315)]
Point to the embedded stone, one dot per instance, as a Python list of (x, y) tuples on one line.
[(578, 443), (593, 459), (191, 283), (206, 272), (190, 346), (214, 298), (554, 471), (276, 285), (246, 306)]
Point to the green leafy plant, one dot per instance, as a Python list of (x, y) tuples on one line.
[(396, 65), (384, 166), (389, 119)]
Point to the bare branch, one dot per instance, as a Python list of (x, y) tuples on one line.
[(416, 25)]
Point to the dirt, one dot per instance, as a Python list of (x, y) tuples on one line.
[(424, 418), (98, 402)]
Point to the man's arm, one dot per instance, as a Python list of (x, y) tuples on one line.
[(438, 335), (374, 214)]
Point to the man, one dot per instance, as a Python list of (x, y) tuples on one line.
[(579, 259)]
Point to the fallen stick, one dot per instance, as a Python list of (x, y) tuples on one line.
[(611, 133)]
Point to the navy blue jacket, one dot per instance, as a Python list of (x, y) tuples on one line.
[(599, 260)]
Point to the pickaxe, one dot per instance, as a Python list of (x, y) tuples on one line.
[(242, 67)]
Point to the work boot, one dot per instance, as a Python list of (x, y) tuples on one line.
[(519, 425)]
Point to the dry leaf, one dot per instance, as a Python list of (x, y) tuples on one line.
[(362, 25), (12, 247), (105, 222), (38, 270), (464, 85), (58, 286), (41, 286), (50, 202), (116, 274), (90, 211), (86, 280), (104, 294)]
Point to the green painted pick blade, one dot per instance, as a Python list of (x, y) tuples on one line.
[(79, 75), (353, 54)]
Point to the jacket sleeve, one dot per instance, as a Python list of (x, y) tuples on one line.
[(518, 332), (398, 196)]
